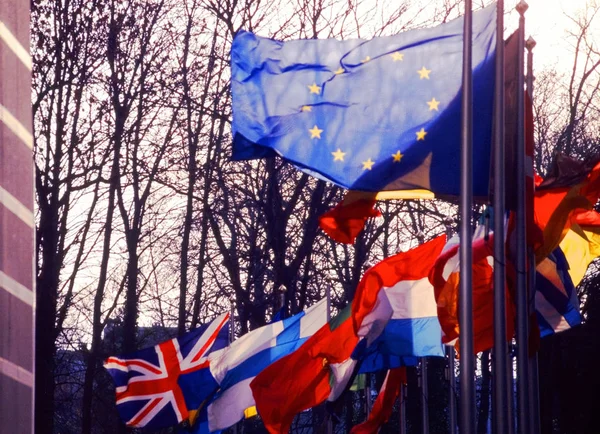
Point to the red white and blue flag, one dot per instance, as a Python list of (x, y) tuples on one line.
[(159, 386)]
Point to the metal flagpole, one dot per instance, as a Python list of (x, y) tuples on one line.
[(450, 359), (499, 361), (510, 381), (403, 390), (231, 321), (534, 385), (367, 395), (424, 396), (328, 295), (231, 339), (450, 356), (423, 385), (533, 361), (467, 358), (521, 242), (282, 302)]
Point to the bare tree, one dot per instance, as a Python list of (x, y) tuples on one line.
[(67, 163)]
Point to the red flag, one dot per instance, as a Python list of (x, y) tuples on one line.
[(571, 187), (382, 408), (535, 237), (412, 265), (445, 278), (587, 218), (321, 367), (301, 380), (344, 222)]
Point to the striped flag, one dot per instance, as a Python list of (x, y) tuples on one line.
[(390, 321), (556, 302), (236, 366)]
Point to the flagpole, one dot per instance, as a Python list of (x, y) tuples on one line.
[(424, 396), (450, 356), (367, 395), (423, 384), (534, 385), (450, 352), (467, 360), (402, 409), (521, 242), (329, 422), (328, 295), (499, 361), (282, 302), (510, 381), (231, 336), (231, 339)]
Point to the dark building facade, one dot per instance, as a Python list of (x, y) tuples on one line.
[(16, 221)]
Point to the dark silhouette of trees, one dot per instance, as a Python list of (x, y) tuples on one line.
[(144, 223)]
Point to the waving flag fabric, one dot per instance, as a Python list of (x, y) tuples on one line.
[(347, 219), (158, 387), (369, 115), (570, 188), (556, 302), (390, 322), (301, 380), (382, 408), (236, 366), (581, 244), (344, 222), (200, 424), (445, 277)]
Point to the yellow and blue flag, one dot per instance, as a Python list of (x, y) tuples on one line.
[(581, 246), (370, 115)]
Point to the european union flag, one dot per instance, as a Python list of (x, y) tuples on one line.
[(382, 114)]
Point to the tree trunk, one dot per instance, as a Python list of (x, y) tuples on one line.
[(131, 297), (97, 325), (45, 350)]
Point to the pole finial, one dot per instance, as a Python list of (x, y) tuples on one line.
[(522, 7), (530, 43)]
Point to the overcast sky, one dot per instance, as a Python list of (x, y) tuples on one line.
[(547, 23)]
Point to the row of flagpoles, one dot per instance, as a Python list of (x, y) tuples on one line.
[(465, 210), (503, 415), (527, 415), (500, 366)]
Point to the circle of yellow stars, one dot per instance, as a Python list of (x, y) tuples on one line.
[(339, 154)]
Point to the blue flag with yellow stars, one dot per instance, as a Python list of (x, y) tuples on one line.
[(370, 115)]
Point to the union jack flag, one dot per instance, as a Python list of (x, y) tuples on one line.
[(157, 387)]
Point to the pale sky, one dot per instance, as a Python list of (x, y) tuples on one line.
[(545, 20)]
